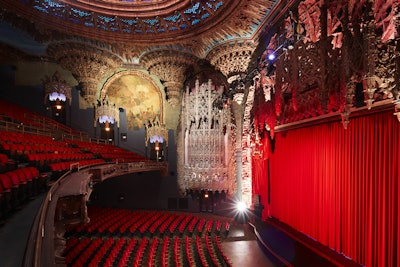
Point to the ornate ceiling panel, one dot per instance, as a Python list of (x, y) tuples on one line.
[(195, 26)]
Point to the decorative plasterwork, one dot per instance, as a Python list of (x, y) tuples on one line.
[(170, 67), (336, 63), (89, 64), (206, 142), (196, 25), (55, 84), (233, 57), (247, 147)]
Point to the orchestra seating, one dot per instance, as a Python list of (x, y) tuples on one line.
[(119, 237)]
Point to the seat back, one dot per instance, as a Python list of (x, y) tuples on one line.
[(6, 182)]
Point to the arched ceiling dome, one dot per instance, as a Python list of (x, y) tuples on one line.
[(133, 8), (194, 25)]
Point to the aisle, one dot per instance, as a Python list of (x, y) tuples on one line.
[(242, 248), (15, 231)]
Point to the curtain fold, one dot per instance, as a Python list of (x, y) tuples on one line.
[(339, 186)]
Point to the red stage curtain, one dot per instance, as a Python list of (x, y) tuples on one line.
[(340, 186)]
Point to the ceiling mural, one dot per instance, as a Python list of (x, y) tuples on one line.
[(138, 95)]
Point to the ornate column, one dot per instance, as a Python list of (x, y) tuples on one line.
[(89, 64), (232, 59), (396, 90), (370, 56), (170, 67)]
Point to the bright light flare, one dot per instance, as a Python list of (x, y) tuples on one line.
[(241, 207), (271, 57)]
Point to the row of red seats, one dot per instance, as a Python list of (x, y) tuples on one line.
[(17, 186), (101, 252), (214, 251), (200, 252), (152, 254), (24, 116), (165, 225), (219, 251), (17, 113), (52, 157), (21, 149), (189, 252), (148, 223), (9, 137), (165, 252), (114, 251), (43, 160), (66, 165), (177, 256), (94, 147), (6, 164), (138, 257), (86, 254), (107, 151), (126, 254), (74, 252)]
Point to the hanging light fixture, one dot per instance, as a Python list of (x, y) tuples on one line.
[(106, 113), (56, 90), (107, 126), (156, 133), (58, 104)]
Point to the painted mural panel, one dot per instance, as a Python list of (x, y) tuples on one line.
[(138, 96)]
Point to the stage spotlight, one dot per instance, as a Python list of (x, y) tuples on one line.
[(271, 57), (241, 213), (240, 206)]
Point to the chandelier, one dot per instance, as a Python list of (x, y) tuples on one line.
[(106, 113), (56, 90), (156, 132)]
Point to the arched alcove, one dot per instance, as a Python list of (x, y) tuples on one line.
[(138, 94)]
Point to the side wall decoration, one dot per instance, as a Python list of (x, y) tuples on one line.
[(206, 158)]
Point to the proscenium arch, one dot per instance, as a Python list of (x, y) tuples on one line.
[(141, 75)]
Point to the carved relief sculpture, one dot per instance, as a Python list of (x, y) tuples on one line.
[(206, 143)]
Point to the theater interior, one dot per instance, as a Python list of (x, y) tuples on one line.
[(199, 133)]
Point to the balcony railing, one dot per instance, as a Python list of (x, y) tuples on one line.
[(41, 249)]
